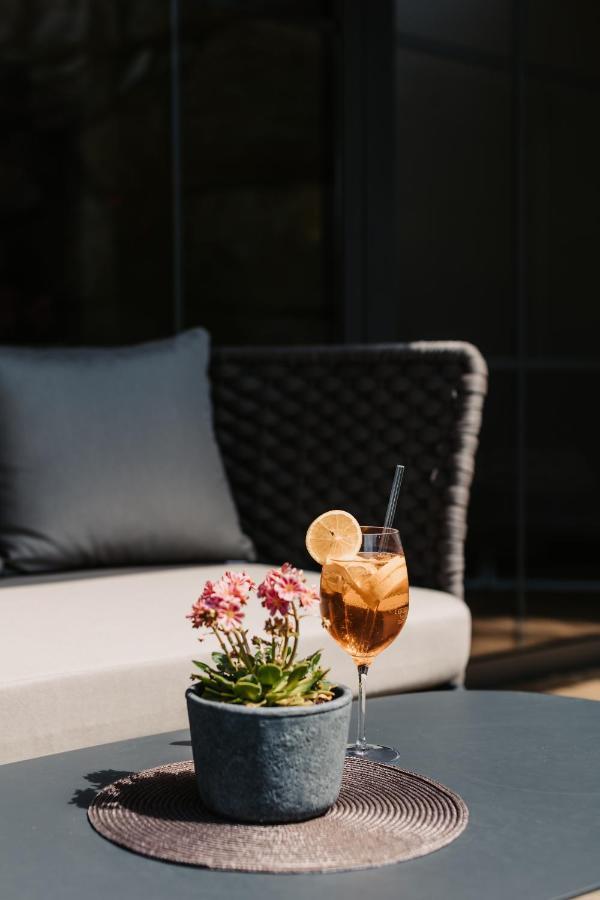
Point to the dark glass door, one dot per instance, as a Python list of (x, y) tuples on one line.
[(166, 164), (258, 170)]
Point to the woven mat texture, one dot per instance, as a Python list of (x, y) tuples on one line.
[(383, 815)]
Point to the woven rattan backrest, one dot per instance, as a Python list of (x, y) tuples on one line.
[(303, 430)]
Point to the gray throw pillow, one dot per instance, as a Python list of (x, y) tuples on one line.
[(108, 458)]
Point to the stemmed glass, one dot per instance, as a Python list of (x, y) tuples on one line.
[(364, 604)]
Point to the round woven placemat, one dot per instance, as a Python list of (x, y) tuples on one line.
[(383, 815)]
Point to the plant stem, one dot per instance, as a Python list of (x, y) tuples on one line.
[(223, 646), (235, 640), (246, 644), (235, 650), (241, 646), (284, 645), (296, 633)]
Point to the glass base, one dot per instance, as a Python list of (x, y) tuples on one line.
[(373, 752)]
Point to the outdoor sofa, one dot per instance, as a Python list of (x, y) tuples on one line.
[(98, 655)]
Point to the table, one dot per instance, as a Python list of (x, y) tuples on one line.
[(528, 766)]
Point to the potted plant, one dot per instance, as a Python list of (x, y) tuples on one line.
[(268, 730)]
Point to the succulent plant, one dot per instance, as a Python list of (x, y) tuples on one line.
[(257, 682), (263, 671)]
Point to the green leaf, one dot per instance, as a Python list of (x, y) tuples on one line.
[(279, 686), (225, 683), (300, 670), (204, 667), (318, 676), (217, 683), (269, 674), (221, 662), (209, 694), (305, 684), (247, 690), (297, 675), (201, 665)]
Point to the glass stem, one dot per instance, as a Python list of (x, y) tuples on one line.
[(361, 741)]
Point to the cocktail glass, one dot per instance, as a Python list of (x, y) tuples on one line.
[(364, 604)]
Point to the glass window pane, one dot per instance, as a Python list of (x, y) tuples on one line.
[(85, 233), (258, 173), (563, 478), (453, 203), (465, 23), (563, 226), (563, 35), (490, 549)]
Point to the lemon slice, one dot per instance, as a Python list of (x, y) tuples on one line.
[(333, 535)]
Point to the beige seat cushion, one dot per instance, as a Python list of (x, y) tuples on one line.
[(92, 660)]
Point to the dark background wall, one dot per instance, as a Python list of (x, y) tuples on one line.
[(497, 196), (313, 171)]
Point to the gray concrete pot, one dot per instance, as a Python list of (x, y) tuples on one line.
[(269, 764)]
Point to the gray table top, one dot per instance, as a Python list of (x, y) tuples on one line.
[(528, 766)]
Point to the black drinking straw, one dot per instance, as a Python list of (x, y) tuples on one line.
[(393, 501)]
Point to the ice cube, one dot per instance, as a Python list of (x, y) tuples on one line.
[(390, 579), (353, 598), (332, 578), (394, 601), (357, 575)]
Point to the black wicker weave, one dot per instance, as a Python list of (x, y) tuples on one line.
[(303, 430)]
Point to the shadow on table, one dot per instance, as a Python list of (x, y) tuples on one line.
[(181, 744), (84, 796), (166, 794)]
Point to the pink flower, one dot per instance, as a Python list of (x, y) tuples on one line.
[(275, 604), (295, 587), (284, 587), (231, 587), (229, 615), (221, 602), (202, 616), (270, 597), (206, 592)]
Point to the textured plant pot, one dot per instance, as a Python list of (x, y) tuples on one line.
[(269, 764)]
